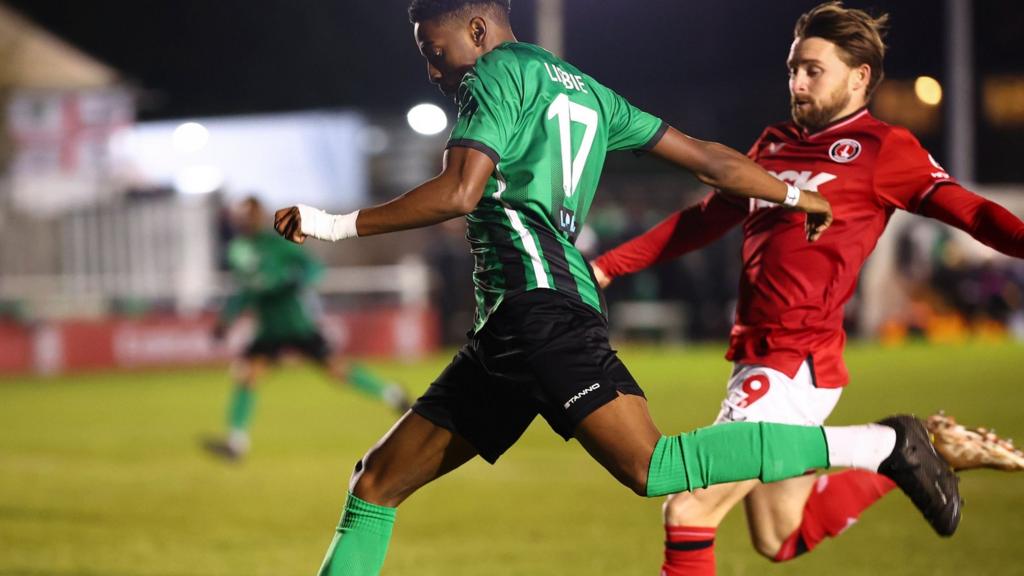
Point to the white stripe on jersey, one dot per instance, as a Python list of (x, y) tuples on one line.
[(524, 234)]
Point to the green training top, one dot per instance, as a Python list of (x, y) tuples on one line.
[(273, 277), (547, 127)]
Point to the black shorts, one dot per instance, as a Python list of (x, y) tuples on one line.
[(540, 353), (312, 346)]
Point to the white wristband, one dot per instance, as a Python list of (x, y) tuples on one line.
[(323, 226), (792, 196)]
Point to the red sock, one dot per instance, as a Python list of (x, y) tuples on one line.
[(689, 551), (835, 503)]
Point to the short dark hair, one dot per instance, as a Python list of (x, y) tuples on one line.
[(422, 10), (859, 35), (252, 202)]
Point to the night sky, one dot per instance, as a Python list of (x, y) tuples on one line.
[(714, 69)]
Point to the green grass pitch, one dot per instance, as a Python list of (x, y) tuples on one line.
[(102, 476)]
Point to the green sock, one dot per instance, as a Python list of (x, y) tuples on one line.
[(732, 452), (361, 542), (240, 408), (367, 382)]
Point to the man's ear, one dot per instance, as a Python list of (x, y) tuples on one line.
[(861, 77), (478, 30)]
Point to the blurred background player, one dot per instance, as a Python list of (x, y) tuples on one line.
[(787, 341), (274, 279)]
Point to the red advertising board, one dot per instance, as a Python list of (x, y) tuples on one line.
[(163, 341)]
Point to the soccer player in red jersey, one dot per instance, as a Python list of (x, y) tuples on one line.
[(787, 341)]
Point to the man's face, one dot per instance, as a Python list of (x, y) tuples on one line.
[(448, 46), (247, 218), (819, 82)]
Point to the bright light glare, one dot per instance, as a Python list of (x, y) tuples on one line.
[(190, 137), (427, 119), (201, 179), (928, 90)]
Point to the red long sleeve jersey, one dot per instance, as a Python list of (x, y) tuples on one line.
[(792, 292)]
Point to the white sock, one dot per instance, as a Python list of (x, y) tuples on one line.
[(394, 396), (238, 441), (864, 447)]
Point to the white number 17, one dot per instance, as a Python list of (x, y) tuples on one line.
[(567, 112)]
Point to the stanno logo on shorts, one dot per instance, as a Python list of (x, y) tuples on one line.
[(582, 393)]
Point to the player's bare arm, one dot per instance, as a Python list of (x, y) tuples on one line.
[(733, 173), (454, 192)]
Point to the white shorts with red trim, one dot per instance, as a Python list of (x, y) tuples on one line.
[(762, 394)]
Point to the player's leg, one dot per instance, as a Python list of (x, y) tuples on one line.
[(790, 518), (776, 512), (413, 453), (621, 437), (246, 372), (618, 437), (691, 522), (753, 394), (588, 393), (355, 375), (606, 413), (466, 411), (368, 382)]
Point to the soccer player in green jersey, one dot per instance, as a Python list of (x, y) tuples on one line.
[(274, 279), (522, 166)]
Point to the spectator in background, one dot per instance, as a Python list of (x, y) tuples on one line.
[(952, 294)]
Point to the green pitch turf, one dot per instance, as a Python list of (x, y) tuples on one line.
[(103, 476)]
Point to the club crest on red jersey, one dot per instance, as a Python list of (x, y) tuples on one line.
[(844, 150)]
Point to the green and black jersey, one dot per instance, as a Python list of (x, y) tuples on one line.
[(547, 126), (274, 277)]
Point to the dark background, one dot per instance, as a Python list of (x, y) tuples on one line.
[(715, 70)]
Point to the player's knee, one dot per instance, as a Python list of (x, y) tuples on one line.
[(703, 507), (767, 545), (638, 486), (369, 483), (240, 372), (634, 478), (380, 480), (690, 509), (678, 509), (368, 486), (337, 367), (244, 373)]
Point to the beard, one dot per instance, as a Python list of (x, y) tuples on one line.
[(817, 116)]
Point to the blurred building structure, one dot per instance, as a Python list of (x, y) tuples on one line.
[(60, 109), (109, 233)]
